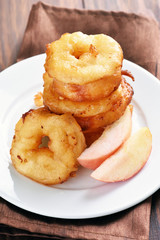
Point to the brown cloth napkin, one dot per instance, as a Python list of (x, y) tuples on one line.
[(139, 38)]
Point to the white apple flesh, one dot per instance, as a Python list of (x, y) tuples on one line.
[(128, 160), (111, 139)]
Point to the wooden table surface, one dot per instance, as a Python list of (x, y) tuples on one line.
[(13, 19)]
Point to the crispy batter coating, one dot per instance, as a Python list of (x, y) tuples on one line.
[(93, 91), (50, 164), (60, 105), (96, 90), (38, 99), (110, 116), (84, 67)]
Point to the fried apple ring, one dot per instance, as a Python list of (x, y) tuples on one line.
[(84, 67), (106, 118), (90, 91), (47, 165), (60, 105)]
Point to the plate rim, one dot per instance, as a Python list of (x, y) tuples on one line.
[(10, 200)]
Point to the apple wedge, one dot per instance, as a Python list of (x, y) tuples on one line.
[(110, 140), (128, 160)]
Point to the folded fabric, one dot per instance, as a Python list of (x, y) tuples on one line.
[(138, 35), (128, 224), (139, 38)]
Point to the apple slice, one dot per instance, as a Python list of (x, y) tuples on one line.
[(128, 160), (110, 140)]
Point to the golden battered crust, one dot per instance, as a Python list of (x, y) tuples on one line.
[(110, 116), (61, 105), (84, 67), (52, 164)]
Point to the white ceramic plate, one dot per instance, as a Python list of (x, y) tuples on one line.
[(80, 197)]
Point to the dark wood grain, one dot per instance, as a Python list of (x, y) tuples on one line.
[(155, 217), (148, 7), (13, 19)]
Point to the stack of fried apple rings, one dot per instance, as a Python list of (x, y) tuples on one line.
[(84, 77)]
